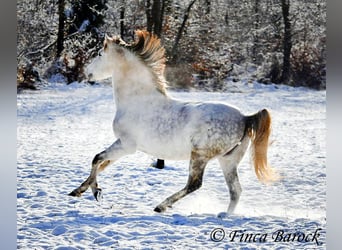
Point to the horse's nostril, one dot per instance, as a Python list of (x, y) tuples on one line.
[(90, 76)]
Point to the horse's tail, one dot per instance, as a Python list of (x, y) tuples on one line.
[(258, 128)]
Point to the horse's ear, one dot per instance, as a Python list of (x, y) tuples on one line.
[(107, 41), (107, 38), (138, 34)]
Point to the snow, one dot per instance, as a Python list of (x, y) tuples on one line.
[(61, 127)]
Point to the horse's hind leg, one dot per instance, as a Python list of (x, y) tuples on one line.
[(99, 163), (197, 166), (229, 163)]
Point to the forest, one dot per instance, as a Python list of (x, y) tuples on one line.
[(207, 42)]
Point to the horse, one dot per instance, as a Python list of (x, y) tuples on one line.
[(147, 117)]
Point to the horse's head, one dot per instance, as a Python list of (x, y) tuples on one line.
[(101, 66), (140, 62)]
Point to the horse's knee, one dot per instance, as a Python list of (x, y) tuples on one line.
[(194, 185), (197, 167), (98, 158)]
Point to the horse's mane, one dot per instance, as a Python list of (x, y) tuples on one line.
[(148, 48)]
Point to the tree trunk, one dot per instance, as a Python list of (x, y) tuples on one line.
[(155, 15), (287, 42), (149, 20), (208, 6), (61, 25), (255, 47), (180, 32), (122, 22)]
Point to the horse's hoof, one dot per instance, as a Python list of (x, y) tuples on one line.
[(223, 215), (98, 194), (158, 164), (159, 209), (75, 193)]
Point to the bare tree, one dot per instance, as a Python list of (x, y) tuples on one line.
[(207, 41), (155, 15), (61, 25), (122, 22), (180, 31), (256, 22), (287, 42)]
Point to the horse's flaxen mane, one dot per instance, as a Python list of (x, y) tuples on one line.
[(147, 46)]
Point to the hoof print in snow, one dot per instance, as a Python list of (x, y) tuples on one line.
[(59, 230)]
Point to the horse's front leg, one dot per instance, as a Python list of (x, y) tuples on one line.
[(99, 163)]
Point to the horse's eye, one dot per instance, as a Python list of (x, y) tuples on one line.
[(100, 53)]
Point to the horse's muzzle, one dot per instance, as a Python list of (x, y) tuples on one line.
[(90, 76)]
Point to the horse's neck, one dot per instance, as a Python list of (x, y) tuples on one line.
[(134, 83)]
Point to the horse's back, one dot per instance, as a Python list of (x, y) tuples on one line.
[(187, 126)]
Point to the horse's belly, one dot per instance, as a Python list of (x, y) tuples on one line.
[(171, 149)]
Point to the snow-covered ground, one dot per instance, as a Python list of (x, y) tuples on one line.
[(60, 129)]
